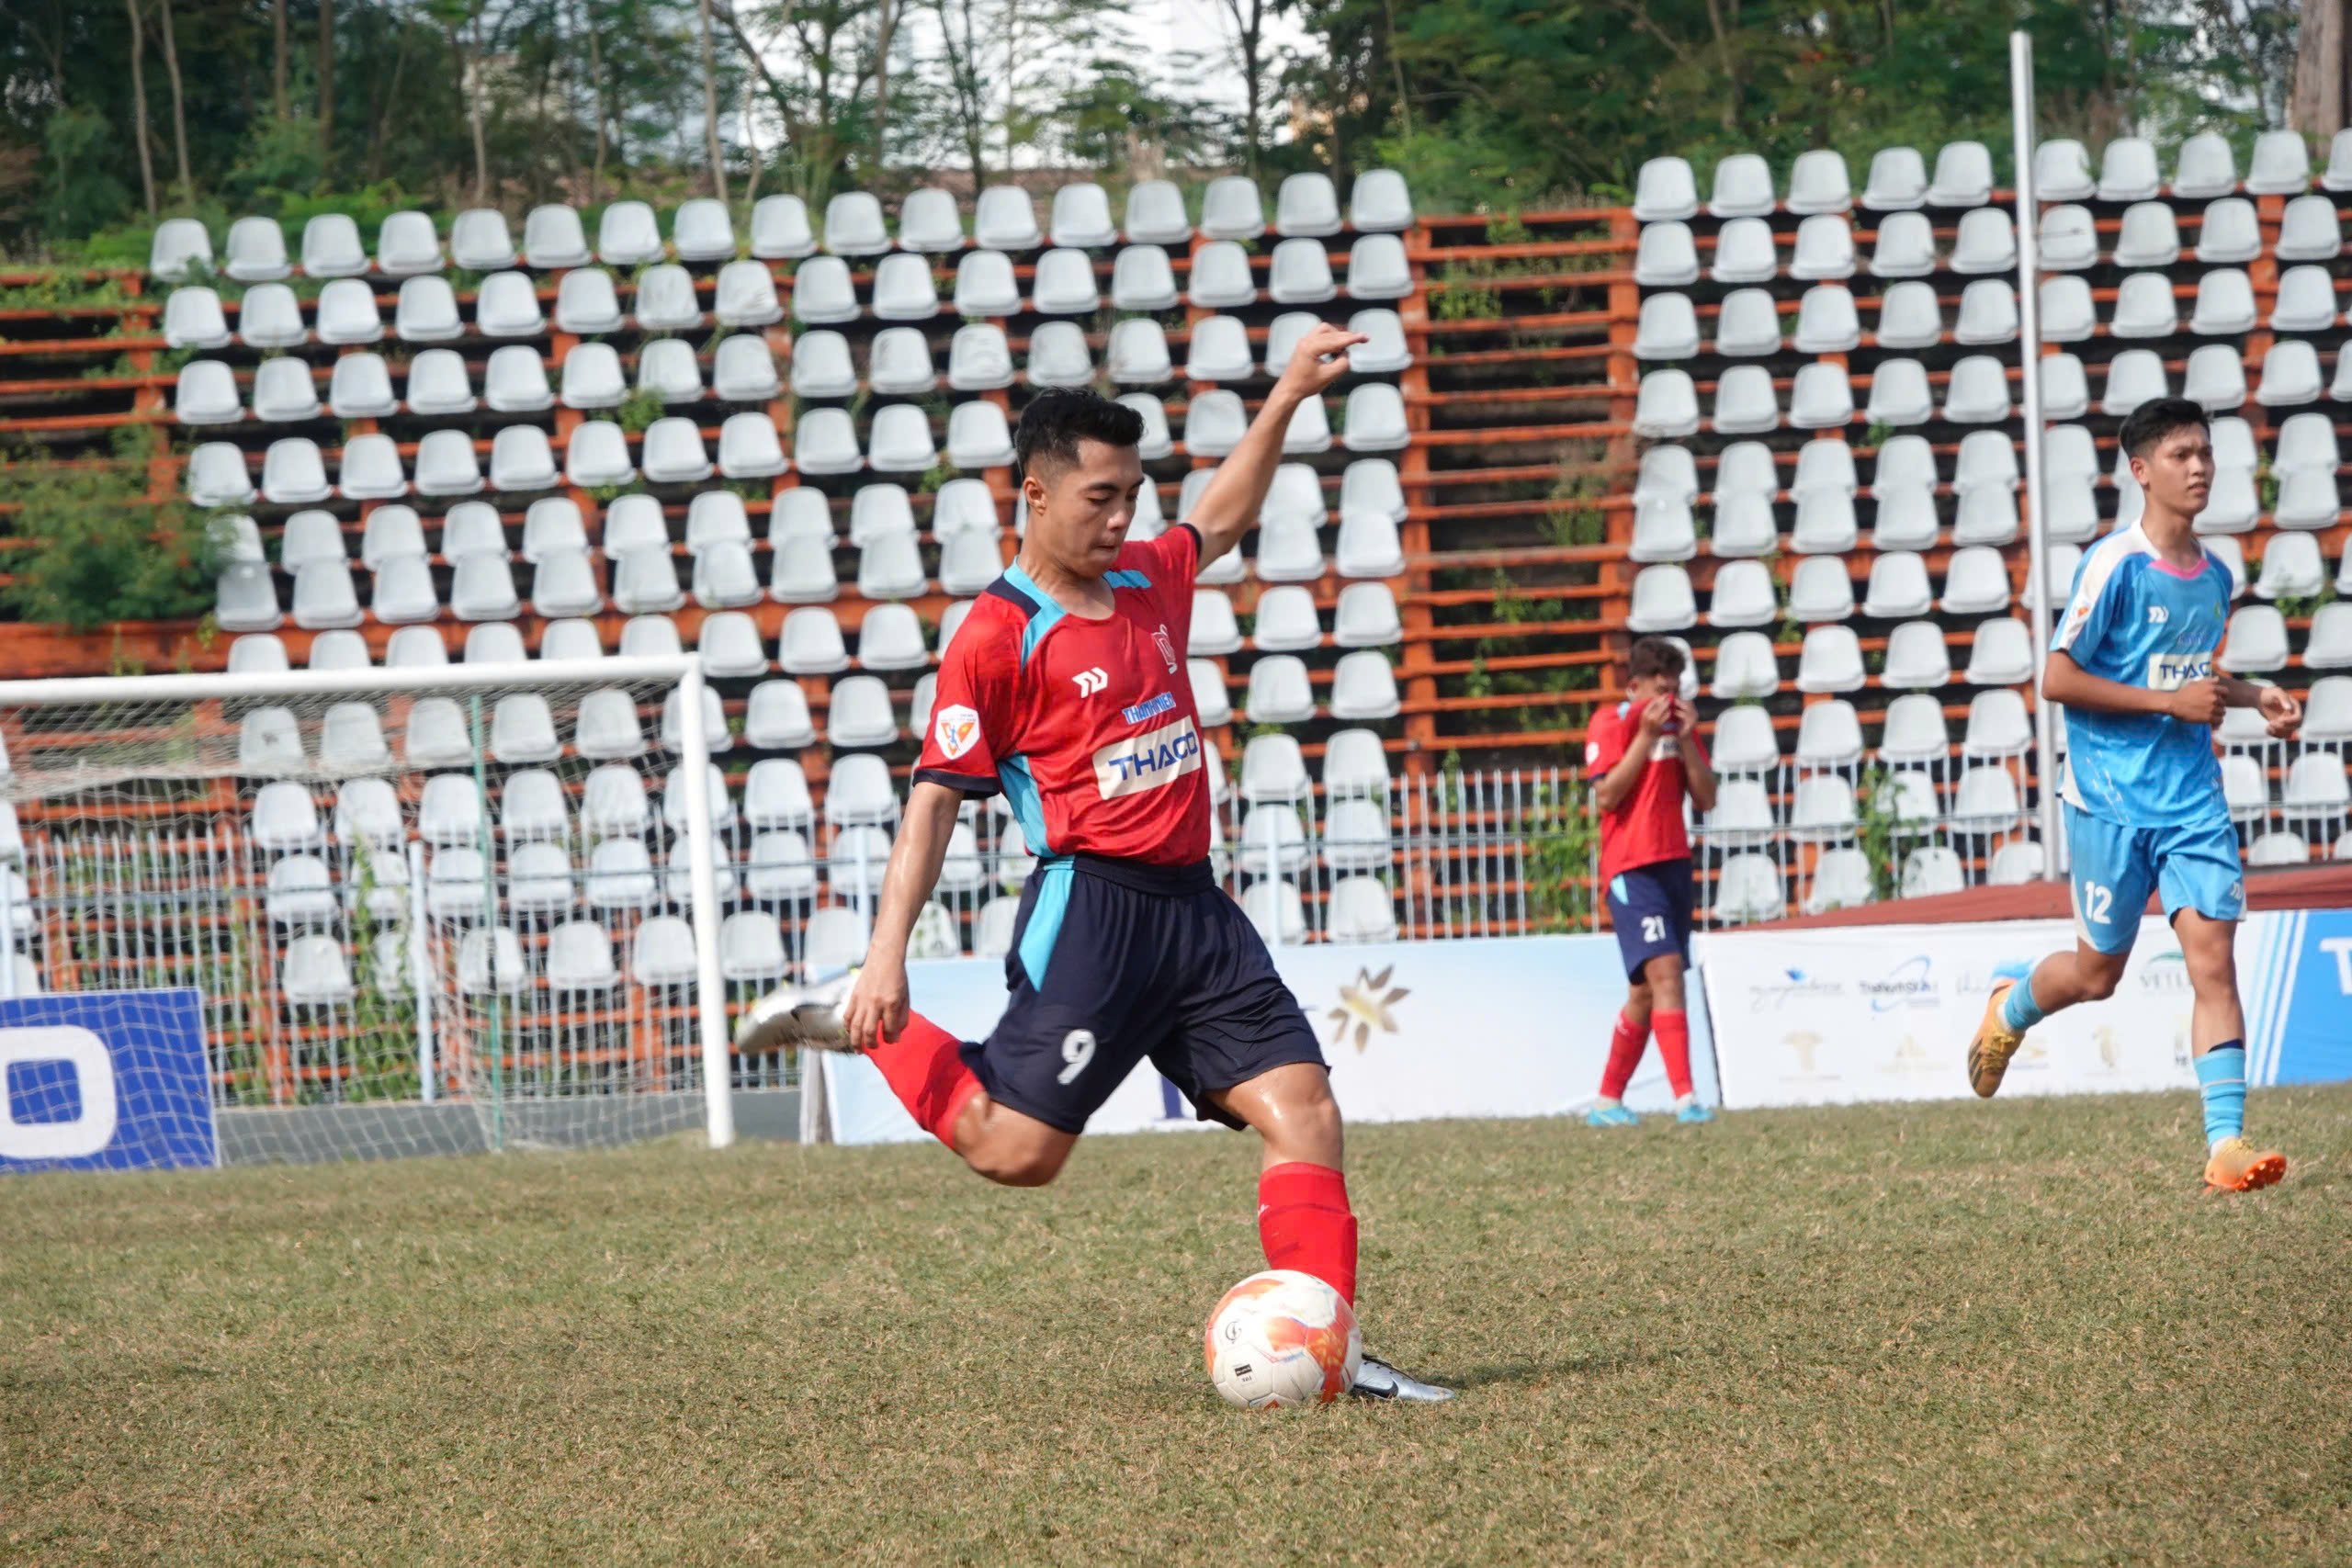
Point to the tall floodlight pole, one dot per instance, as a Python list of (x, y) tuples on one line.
[(2045, 769)]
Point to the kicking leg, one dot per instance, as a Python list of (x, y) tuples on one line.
[(2217, 1035), (1304, 1220)]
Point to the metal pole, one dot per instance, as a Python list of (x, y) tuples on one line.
[(420, 974), (2030, 357), (702, 869)]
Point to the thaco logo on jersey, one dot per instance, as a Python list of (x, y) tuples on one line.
[(1148, 761), (1151, 708), (2171, 671)]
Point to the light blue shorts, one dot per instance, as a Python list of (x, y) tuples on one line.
[(2194, 866)]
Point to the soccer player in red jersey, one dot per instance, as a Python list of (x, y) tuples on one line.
[(1065, 688), (1642, 756)]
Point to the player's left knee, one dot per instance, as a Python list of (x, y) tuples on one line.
[(1306, 1123), (1019, 1167)]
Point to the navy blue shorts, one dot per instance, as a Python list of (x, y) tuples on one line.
[(1113, 962), (1650, 908)]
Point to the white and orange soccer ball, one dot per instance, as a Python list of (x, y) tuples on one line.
[(1282, 1338)]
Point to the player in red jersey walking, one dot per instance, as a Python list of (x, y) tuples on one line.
[(1642, 756), (1065, 689)]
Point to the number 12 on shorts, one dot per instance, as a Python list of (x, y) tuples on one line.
[(2097, 902)]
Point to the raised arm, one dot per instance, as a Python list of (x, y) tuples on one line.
[(877, 1002), (1229, 506)]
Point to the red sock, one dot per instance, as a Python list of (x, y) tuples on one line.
[(1674, 1045), (926, 1071), (1624, 1054), (1304, 1223)]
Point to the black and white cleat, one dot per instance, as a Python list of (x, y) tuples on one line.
[(1375, 1379), (807, 1016)]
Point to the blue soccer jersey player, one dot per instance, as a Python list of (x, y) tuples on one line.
[(2132, 664)]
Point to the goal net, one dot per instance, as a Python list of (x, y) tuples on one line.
[(427, 910)]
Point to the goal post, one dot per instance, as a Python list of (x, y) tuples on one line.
[(428, 908)]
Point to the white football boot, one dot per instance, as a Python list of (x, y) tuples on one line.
[(807, 1016), (1375, 1379)]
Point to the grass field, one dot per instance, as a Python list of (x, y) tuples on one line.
[(1954, 1333)]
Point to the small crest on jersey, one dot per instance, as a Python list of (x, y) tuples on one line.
[(2157, 616), (1167, 646), (958, 729), (1591, 753)]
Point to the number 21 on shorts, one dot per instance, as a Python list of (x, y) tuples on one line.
[(1654, 928)]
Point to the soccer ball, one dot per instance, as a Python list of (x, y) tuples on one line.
[(1280, 1338)]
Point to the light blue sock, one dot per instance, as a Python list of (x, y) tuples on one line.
[(2220, 1078), (2021, 1011)]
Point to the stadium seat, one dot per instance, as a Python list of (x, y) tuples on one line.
[(780, 228), (1987, 516), (207, 392), (2207, 168), (2216, 378), (1988, 312), (1744, 741), (1663, 532), (1745, 252), (1825, 523), (1742, 189), (586, 303), (1300, 274), (1818, 183), (2309, 231), (745, 370), (1897, 181), (1667, 406), (2001, 654), (1826, 321), (255, 252), (426, 311), (744, 296), (1059, 355), (1662, 601), (437, 385), (2127, 171), (1840, 880), (347, 314), (2225, 306), (2308, 498), (1665, 189), (1964, 175), (1905, 246), (261, 654), (2062, 171), (2277, 849), (2307, 441), (1909, 316), (2305, 302), (331, 247), (1745, 667), (553, 239), (1898, 587), (1377, 269), (2291, 567), (1831, 660), (1665, 258), (2134, 377), (822, 294), (193, 318), (1932, 869), (2144, 307), (1825, 250), (1743, 526), (1899, 394), (2290, 374), (507, 305), (1820, 590), (1747, 325), (1742, 596), (1747, 887), (1986, 242), (1005, 219), (904, 289), (701, 230), (2069, 240), (2229, 233), (627, 235), (977, 437), (268, 317), (1745, 402)]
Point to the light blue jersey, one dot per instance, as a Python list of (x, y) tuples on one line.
[(2140, 621)]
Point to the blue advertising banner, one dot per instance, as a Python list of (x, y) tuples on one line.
[(104, 1080), (1511, 1026), (2299, 1007)]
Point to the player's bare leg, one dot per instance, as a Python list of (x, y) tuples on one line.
[(2217, 1035), (1304, 1220), (2059, 981), (1005, 1146)]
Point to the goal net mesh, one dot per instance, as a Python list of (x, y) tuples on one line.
[(419, 923)]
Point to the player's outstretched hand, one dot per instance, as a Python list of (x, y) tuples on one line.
[(2284, 713), (877, 1007), (1320, 358), (2199, 702)]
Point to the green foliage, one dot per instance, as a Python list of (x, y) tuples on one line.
[(379, 1043), (1563, 847), (639, 410), (1878, 829), (103, 551)]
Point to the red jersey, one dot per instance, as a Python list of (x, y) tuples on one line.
[(1646, 826), (1087, 726)]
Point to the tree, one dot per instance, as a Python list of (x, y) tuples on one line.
[(139, 105), (277, 57), (179, 108), (326, 85), (2323, 70), (710, 105), (1250, 18)]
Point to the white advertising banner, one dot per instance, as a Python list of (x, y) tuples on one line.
[(1841, 1014), (1515, 1026)]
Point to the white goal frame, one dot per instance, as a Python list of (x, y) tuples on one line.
[(693, 760)]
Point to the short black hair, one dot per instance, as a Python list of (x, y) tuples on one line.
[(2152, 422), (1056, 421), (1655, 656)]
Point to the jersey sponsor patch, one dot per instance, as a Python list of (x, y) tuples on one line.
[(1151, 707), (2171, 671), (1148, 761), (957, 730)]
